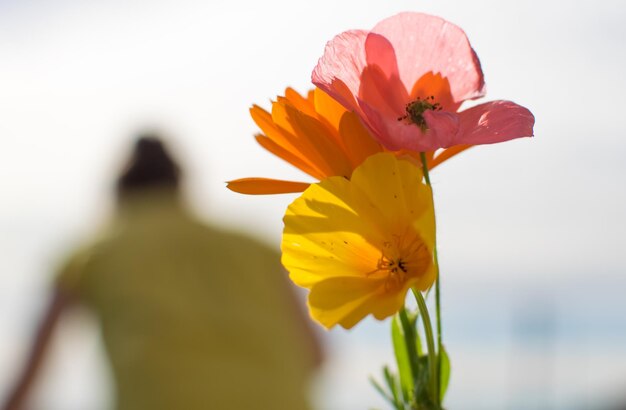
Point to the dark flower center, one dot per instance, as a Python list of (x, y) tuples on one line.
[(415, 111), (403, 257)]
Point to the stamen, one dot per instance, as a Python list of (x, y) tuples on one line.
[(415, 111), (401, 258)]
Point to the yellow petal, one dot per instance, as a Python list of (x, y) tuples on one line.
[(323, 233), (342, 239), (346, 301), (395, 188)]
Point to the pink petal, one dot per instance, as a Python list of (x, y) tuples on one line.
[(443, 126), (391, 134), (380, 93), (382, 73), (338, 71), (380, 52), (396, 135), (492, 122), (424, 43)]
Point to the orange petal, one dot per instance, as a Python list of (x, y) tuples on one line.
[(328, 108), (263, 186), (342, 93), (320, 146), (358, 142), (265, 121), (437, 86), (282, 144), (300, 142), (447, 154), (299, 102), (294, 158), (272, 129)]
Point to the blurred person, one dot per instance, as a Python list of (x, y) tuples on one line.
[(192, 317)]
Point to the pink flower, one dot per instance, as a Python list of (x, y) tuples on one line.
[(407, 78)]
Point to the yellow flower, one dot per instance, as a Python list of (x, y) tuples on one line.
[(320, 137), (359, 245)]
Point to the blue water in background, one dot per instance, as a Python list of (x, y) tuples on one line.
[(516, 342), (533, 344)]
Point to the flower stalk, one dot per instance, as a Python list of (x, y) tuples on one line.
[(437, 281), (432, 354)]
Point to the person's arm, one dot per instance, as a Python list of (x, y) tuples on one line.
[(17, 396)]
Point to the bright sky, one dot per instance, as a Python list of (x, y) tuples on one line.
[(77, 79)]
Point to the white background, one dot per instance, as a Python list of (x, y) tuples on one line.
[(531, 231)]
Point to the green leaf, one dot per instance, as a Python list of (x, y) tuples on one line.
[(444, 373), (382, 391), (394, 387), (418, 340), (392, 394), (409, 329), (412, 316), (421, 383), (402, 358)]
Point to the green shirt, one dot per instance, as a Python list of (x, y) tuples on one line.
[(192, 317)]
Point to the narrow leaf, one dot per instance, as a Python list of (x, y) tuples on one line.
[(412, 316), (380, 389), (409, 330), (393, 385), (444, 372), (421, 383), (402, 358)]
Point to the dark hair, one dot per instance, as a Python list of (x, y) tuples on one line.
[(150, 166)]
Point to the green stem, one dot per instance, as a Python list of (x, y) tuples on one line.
[(437, 283), (432, 356), (425, 168), (411, 343), (438, 319)]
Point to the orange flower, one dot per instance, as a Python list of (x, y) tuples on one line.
[(320, 137)]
